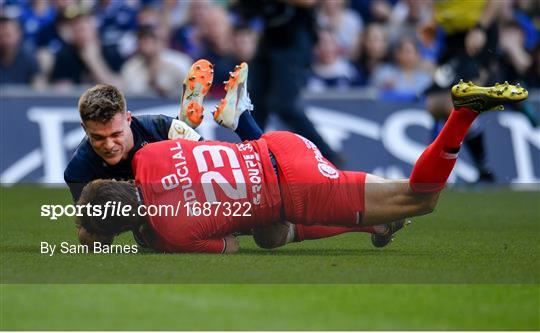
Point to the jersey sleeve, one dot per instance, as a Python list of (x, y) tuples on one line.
[(206, 246), (76, 177), (157, 126), (164, 127), (192, 245), (75, 188)]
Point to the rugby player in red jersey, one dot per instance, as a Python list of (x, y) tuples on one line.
[(114, 136), (281, 176)]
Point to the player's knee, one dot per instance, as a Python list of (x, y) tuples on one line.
[(271, 237), (427, 204)]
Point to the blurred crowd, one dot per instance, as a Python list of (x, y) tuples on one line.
[(148, 45)]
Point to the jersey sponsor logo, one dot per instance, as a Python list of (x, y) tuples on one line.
[(181, 175), (253, 164), (323, 165), (328, 171)]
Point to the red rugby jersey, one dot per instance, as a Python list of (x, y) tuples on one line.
[(236, 179)]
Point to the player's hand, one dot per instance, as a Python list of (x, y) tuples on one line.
[(231, 244), (475, 41)]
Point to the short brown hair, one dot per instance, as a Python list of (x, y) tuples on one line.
[(101, 103), (101, 191)]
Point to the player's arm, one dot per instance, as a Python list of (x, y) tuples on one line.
[(75, 188), (228, 245), (74, 181), (162, 127)]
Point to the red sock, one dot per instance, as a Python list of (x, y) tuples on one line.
[(304, 232), (436, 163)]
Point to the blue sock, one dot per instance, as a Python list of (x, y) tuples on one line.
[(247, 127)]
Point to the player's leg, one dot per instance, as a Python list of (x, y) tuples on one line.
[(196, 85), (381, 234), (388, 200), (439, 105), (247, 128), (233, 111), (283, 233)]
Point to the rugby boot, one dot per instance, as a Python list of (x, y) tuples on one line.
[(236, 101), (196, 85), (481, 99), (381, 239)]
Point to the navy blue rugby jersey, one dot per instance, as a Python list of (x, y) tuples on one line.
[(86, 165)]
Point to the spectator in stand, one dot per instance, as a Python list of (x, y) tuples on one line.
[(515, 63), (244, 43), (148, 15), (345, 23), (188, 37), (331, 69), (514, 59), (114, 18), (51, 36), (17, 64), (519, 36), (84, 59), (42, 22), (373, 51), (154, 67), (174, 13), (217, 40), (380, 10), (405, 77), (35, 16), (527, 13), (407, 16)]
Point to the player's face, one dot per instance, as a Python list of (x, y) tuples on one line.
[(112, 140)]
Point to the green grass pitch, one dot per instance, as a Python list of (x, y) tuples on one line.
[(472, 265)]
